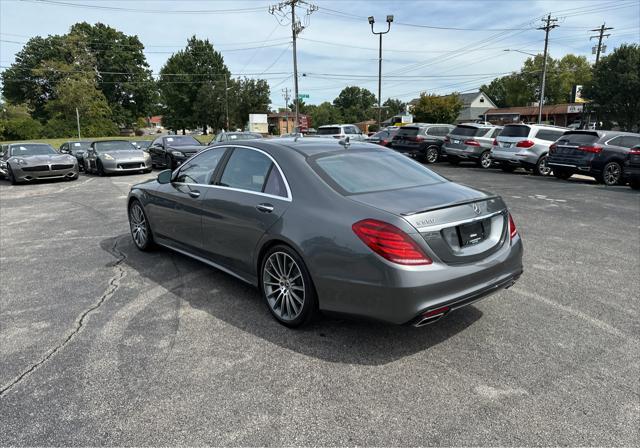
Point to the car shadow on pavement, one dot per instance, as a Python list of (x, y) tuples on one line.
[(327, 338)]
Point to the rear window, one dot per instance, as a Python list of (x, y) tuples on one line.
[(468, 131), (549, 135), (408, 131), (578, 138), (366, 172), (329, 131), (515, 131)]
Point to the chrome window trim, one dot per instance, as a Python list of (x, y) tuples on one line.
[(289, 197)]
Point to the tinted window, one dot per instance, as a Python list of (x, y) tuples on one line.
[(113, 145), (363, 172), (624, 141), (495, 133), (578, 138), (407, 131), (275, 184), (329, 131), (199, 169), (247, 170), (549, 135), (515, 131), (181, 140), (467, 131), (32, 150)]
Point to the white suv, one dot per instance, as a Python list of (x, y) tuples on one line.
[(525, 145), (341, 131)]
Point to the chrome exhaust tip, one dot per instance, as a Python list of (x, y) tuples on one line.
[(431, 316)]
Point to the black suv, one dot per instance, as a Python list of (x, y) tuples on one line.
[(632, 168), (420, 140), (600, 154)]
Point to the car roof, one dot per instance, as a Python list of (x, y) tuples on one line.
[(334, 125), (602, 133), (28, 143), (307, 147)]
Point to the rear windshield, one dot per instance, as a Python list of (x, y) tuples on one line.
[(329, 131), (365, 172), (410, 131), (515, 131), (113, 145), (243, 136), (468, 131), (32, 150), (578, 138)]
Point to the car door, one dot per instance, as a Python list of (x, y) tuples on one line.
[(250, 195), (154, 151), (175, 210)]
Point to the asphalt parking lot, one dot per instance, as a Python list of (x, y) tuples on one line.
[(102, 344)]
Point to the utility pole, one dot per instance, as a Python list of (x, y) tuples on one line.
[(296, 28), (600, 48), (226, 99), (549, 25), (285, 94), (380, 33), (78, 122)]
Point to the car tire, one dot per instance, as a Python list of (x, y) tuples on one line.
[(562, 174), (431, 155), (634, 184), (99, 168), (485, 160), (541, 168), (281, 284), (453, 160), (611, 174), (140, 227), (11, 176), (507, 168)]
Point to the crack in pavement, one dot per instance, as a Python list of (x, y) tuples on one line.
[(113, 285)]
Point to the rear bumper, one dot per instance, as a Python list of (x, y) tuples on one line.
[(401, 296), (469, 152), (631, 172), (516, 158)]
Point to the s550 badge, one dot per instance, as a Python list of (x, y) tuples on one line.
[(426, 222)]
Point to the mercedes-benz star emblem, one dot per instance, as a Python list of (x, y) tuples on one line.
[(476, 208)]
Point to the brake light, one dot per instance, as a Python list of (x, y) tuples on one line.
[(553, 148), (635, 152), (525, 144), (471, 143), (390, 242), (495, 142), (512, 227), (595, 149), (447, 139)]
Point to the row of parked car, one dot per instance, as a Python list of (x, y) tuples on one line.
[(611, 157)]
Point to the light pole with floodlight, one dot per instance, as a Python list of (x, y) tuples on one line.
[(380, 33)]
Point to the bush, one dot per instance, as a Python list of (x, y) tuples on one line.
[(373, 128), (22, 128)]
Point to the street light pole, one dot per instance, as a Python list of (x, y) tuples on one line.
[(380, 33), (78, 122)]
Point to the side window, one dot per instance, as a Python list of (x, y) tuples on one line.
[(618, 141), (348, 130), (630, 141), (495, 133), (275, 184), (157, 142), (200, 169), (432, 131), (247, 170)]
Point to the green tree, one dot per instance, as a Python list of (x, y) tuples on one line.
[(355, 104), (615, 87), (248, 96), (16, 123), (182, 78), (81, 93), (437, 109), (324, 113), (392, 107), (209, 108)]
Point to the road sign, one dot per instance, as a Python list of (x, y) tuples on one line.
[(303, 95)]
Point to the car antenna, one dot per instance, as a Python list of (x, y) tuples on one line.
[(345, 142)]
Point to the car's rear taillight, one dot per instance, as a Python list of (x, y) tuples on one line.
[(447, 139), (471, 142), (595, 149), (525, 144), (553, 148), (495, 142), (635, 151), (512, 227), (390, 242)]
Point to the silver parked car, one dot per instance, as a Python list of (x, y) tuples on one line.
[(525, 145), (472, 142), (340, 131), (321, 224), (116, 156), (234, 136), (25, 162)]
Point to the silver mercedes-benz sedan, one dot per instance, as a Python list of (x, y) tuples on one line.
[(116, 156), (25, 162), (321, 224)]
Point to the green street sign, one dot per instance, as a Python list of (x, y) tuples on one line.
[(303, 95)]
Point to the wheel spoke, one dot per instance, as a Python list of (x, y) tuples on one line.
[(295, 296)]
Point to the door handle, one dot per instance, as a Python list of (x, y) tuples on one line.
[(194, 193), (265, 208)]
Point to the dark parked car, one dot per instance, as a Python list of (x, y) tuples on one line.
[(170, 151), (318, 223), (383, 137), (422, 141), (26, 162), (234, 136), (600, 154), (77, 149), (472, 142), (632, 168)]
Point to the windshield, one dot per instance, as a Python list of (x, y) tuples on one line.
[(368, 171), (79, 146), (113, 145), (329, 131), (468, 131), (142, 143), (32, 150), (181, 140), (515, 131)]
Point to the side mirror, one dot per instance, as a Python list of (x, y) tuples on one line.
[(164, 177)]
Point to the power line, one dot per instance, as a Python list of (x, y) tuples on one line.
[(145, 11), (600, 48)]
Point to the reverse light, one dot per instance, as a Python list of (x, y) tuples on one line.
[(471, 142), (513, 231), (390, 242), (525, 144), (595, 149)]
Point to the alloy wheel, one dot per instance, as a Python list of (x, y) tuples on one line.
[(612, 172), (138, 223), (432, 155), (283, 286), (543, 168), (485, 160)]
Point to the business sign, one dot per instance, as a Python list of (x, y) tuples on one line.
[(258, 123), (576, 95), (574, 108), (303, 122)]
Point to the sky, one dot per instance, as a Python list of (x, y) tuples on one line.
[(432, 46)]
